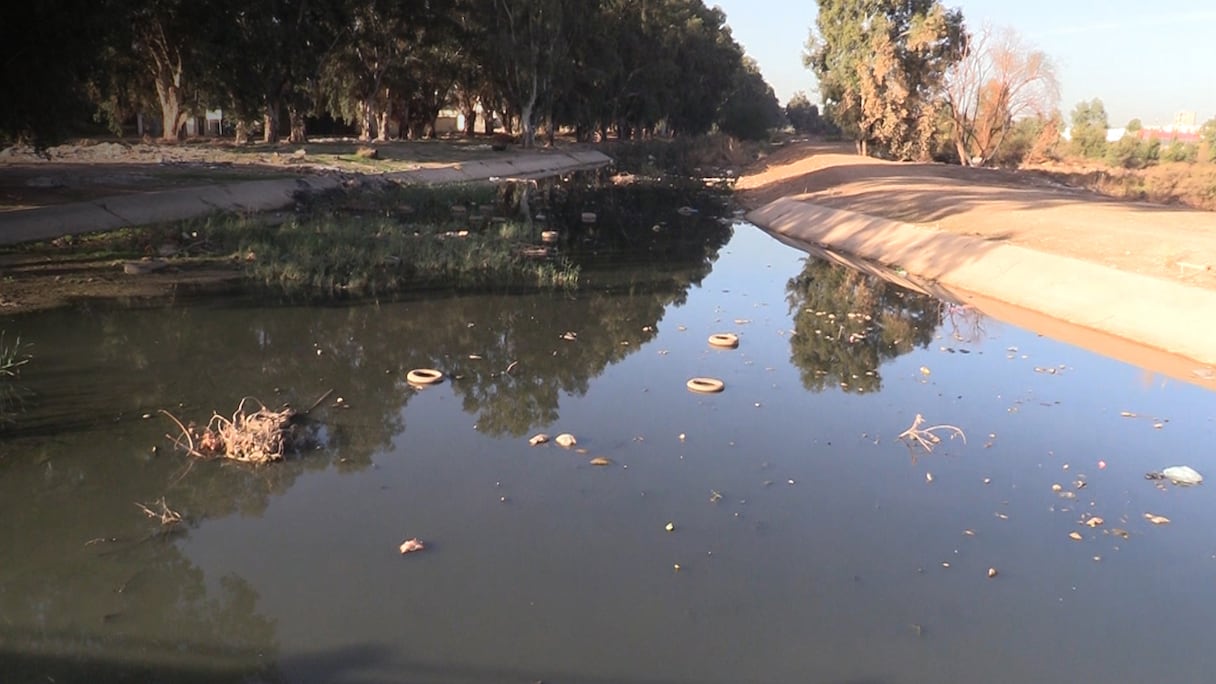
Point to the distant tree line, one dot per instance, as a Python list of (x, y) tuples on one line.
[(626, 68)]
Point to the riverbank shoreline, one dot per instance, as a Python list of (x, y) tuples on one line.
[(1027, 251)]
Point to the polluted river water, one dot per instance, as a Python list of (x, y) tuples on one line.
[(777, 531)]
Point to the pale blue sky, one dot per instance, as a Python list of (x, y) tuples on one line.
[(1147, 60)]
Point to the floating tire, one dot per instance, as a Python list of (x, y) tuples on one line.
[(424, 376), (724, 340), (706, 385)]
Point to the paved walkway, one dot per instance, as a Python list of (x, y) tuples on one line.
[(1164, 314), (44, 223)]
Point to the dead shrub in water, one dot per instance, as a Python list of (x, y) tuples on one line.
[(251, 435)]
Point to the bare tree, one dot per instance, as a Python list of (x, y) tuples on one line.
[(998, 81)]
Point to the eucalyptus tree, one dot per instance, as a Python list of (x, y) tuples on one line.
[(751, 109), (707, 61), (276, 48), (528, 39), (881, 66)]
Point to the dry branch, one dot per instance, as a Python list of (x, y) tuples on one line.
[(251, 435), (166, 516), (926, 437)]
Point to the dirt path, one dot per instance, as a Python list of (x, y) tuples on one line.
[(998, 206)]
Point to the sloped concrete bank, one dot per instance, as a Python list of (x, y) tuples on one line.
[(44, 223), (1166, 315)]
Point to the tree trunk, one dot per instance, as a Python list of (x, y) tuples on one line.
[(241, 133), (470, 122), (171, 114), (270, 122), (298, 133), (383, 118), (367, 114)]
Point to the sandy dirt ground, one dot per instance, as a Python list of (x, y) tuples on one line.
[(1017, 207)]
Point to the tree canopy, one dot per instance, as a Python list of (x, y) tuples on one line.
[(881, 66), (385, 67)]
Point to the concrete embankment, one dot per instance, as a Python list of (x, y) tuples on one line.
[(43, 223), (1166, 315)]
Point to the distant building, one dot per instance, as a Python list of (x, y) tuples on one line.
[(1184, 119)]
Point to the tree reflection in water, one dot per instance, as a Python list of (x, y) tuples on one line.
[(103, 596), (847, 323)]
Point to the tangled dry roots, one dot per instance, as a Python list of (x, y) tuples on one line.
[(251, 435)]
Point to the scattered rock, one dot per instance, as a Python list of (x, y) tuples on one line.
[(992, 573), (1156, 519), (1075, 536), (600, 461), (565, 440), (538, 439), (411, 545)]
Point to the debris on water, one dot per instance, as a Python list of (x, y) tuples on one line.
[(250, 435), (1119, 532), (1075, 536), (569, 336), (969, 532), (1057, 487), (1182, 475), (1156, 519), (1158, 425), (929, 478), (1095, 521), (600, 461), (926, 437), (411, 545), (924, 370), (676, 567), (670, 527), (992, 573), (714, 496), (1101, 465), (165, 515), (540, 438), (987, 480), (682, 437), (1127, 414), (565, 440)]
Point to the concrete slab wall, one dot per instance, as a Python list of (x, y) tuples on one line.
[(1167, 315)]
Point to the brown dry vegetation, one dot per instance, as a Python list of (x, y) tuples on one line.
[(1180, 183)]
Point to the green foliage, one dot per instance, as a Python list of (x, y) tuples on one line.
[(1178, 151), (1207, 133), (751, 110), (1088, 132), (1130, 152), (881, 66), (1134, 126), (48, 49), (804, 116), (1030, 139), (12, 356)]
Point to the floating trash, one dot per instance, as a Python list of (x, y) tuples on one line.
[(538, 439), (706, 385), (411, 545), (1182, 475), (600, 461), (565, 440), (724, 340), (424, 376)]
